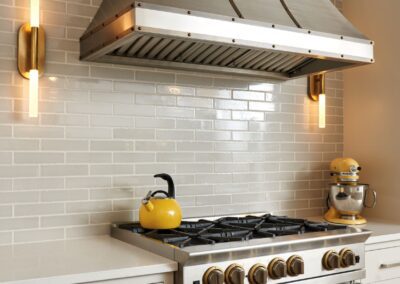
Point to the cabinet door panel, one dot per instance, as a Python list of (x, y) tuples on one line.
[(383, 265)]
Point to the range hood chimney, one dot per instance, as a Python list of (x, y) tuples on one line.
[(274, 39)]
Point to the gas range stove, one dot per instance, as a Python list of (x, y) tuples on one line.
[(255, 249)]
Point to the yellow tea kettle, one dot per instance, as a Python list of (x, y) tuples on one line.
[(158, 212)]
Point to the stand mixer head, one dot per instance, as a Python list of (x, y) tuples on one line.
[(345, 171)]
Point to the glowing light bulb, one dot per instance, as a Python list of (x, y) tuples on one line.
[(35, 14), (33, 92), (321, 107)]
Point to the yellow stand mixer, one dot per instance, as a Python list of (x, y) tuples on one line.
[(347, 197)]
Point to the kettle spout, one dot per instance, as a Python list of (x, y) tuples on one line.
[(148, 205)]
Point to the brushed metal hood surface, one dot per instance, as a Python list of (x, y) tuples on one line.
[(276, 39)]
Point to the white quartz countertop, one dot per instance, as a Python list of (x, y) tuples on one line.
[(382, 231), (78, 261)]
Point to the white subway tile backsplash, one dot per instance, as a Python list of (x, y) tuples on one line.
[(231, 125), (6, 211), (195, 102), (110, 121), (230, 104), (64, 145), (84, 231), (88, 157), (110, 217), (212, 135), (232, 145), (148, 122), (111, 73), (87, 182), (18, 171), (5, 238), (214, 93), (155, 100), (130, 87), (175, 112), (175, 90), (38, 209), (65, 120), (38, 235), (114, 169), (247, 115), (89, 108), (248, 95), (88, 206), (64, 220), (149, 76), (103, 145), (154, 146), (132, 110), (175, 134), (38, 132), (38, 158), (133, 157), (64, 170), (63, 195), (193, 124), (86, 132)]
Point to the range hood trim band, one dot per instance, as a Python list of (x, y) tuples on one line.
[(158, 20)]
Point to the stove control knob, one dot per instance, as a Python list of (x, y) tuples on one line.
[(235, 274), (258, 274), (348, 258), (277, 268), (331, 260), (295, 265), (213, 275)]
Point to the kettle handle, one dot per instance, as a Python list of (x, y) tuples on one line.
[(171, 186), (160, 191), (374, 202)]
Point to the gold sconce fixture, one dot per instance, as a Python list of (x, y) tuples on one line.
[(31, 55), (316, 92)]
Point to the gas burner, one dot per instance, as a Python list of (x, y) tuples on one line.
[(229, 229)]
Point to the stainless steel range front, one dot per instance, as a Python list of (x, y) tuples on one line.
[(255, 249)]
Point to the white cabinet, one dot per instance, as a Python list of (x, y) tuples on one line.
[(162, 278), (382, 262)]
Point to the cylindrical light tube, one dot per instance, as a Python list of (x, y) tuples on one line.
[(35, 13), (321, 108), (33, 92)]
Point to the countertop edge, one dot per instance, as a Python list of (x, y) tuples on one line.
[(101, 275)]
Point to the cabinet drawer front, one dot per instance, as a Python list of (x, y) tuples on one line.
[(163, 278), (383, 264)]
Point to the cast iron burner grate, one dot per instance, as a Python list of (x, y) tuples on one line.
[(228, 229)]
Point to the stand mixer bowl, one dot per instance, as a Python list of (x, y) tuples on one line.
[(348, 200)]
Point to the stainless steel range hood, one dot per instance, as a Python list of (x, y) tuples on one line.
[(277, 39)]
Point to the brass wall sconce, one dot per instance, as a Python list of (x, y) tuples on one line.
[(316, 92), (31, 55)]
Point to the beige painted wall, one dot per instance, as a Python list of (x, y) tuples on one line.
[(371, 103)]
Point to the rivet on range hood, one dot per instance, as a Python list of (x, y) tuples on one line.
[(275, 39)]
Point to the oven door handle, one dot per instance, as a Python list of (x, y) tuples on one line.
[(389, 265)]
